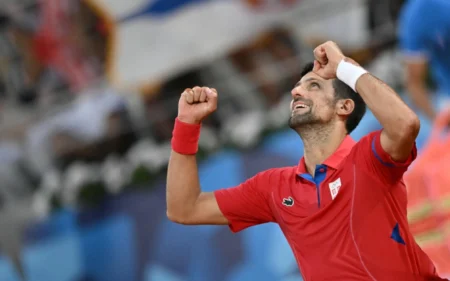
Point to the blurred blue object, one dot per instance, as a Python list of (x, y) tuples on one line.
[(425, 131), (160, 273), (367, 125), (440, 100), (279, 255), (56, 259), (62, 222), (7, 270), (175, 245), (252, 239), (223, 169), (251, 271), (200, 253), (109, 250), (286, 143), (161, 7), (424, 34)]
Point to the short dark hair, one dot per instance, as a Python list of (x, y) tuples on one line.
[(343, 91)]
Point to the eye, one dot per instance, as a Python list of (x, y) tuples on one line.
[(314, 85)]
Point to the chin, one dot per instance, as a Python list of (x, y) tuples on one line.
[(300, 120), (295, 122)]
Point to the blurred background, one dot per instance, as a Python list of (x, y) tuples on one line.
[(89, 92)]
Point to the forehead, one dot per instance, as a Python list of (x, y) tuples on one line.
[(312, 76)]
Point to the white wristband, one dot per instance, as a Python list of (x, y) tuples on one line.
[(349, 73)]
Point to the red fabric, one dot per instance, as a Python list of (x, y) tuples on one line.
[(44, 46), (185, 137), (345, 238), (263, 3), (383, 165), (55, 47), (247, 204)]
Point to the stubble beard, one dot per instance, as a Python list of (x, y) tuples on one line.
[(306, 119)]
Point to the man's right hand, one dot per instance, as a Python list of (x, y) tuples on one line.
[(186, 203), (197, 103)]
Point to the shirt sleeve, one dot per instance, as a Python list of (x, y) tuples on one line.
[(371, 154), (247, 204), (412, 36)]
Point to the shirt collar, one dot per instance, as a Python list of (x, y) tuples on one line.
[(335, 159)]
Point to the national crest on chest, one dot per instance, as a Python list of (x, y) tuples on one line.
[(300, 198)]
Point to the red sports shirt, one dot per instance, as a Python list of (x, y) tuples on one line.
[(347, 223)]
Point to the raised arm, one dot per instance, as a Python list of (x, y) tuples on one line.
[(240, 207), (186, 203), (400, 124)]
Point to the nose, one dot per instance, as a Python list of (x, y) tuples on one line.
[(297, 92)]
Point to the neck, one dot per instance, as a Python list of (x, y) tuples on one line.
[(320, 142)]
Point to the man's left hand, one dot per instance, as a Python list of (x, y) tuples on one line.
[(327, 58)]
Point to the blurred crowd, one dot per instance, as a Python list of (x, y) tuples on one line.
[(69, 136), (65, 125)]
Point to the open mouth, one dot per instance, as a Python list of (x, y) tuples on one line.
[(298, 106)]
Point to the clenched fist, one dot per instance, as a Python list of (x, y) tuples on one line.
[(197, 103), (327, 58)]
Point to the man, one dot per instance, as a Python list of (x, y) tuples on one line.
[(343, 208), (425, 41)]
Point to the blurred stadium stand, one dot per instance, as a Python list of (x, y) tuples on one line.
[(86, 115)]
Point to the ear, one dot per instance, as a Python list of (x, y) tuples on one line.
[(345, 107)]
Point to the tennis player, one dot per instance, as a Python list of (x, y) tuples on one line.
[(343, 207)]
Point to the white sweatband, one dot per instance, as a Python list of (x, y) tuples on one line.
[(349, 73)]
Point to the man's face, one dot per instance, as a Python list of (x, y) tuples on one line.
[(313, 101)]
